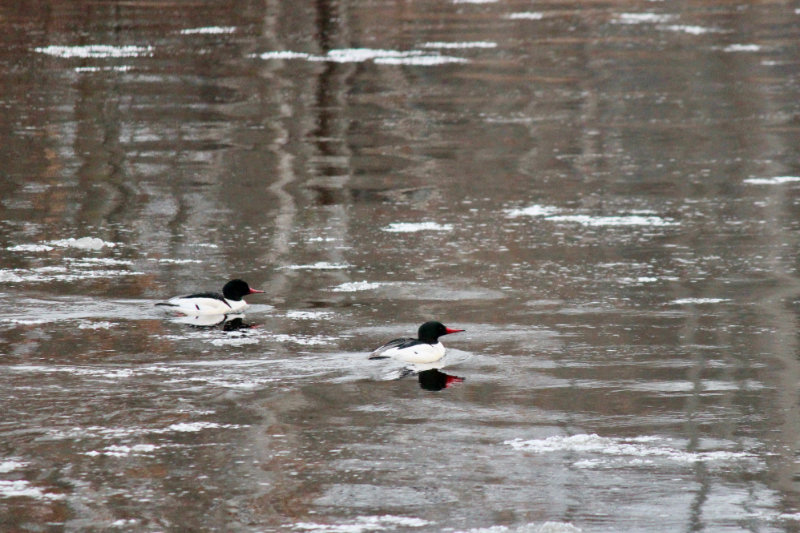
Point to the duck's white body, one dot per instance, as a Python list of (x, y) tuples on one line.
[(204, 305), (411, 351)]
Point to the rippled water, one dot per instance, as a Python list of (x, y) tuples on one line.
[(604, 195)]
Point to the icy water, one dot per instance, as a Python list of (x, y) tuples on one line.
[(604, 195)]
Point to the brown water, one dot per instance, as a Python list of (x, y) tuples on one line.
[(603, 194)]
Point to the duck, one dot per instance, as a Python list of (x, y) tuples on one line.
[(426, 348), (230, 301)]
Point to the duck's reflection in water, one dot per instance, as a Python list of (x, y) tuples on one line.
[(434, 380), (224, 322)]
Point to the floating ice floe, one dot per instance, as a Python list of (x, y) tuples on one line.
[(643, 18), (423, 61), (742, 48), (693, 30), (209, 30), (234, 341), (309, 315), (360, 55), (544, 527), (303, 340), (777, 180), (365, 523), (319, 265), (637, 280), (467, 44), (116, 450), (355, 286), (96, 325), (644, 448), (616, 220), (60, 273), (170, 261), (694, 301), (526, 15), (411, 227), (83, 243), (95, 51), (549, 213), (532, 211), (22, 488), (30, 248), (9, 465), (115, 68)]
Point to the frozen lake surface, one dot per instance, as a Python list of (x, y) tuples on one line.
[(605, 196)]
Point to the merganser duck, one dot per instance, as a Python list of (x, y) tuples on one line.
[(213, 303), (424, 349)]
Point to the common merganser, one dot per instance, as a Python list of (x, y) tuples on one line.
[(213, 303), (424, 349)]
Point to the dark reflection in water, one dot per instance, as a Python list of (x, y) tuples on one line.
[(435, 380)]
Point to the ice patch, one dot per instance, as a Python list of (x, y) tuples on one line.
[(693, 30), (303, 340), (30, 248), (619, 220), (60, 273), (526, 15), (115, 68), (355, 286), (643, 18), (95, 51), (532, 211), (546, 527), (360, 55), (777, 180), (90, 261), (9, 276), (742, 48), (309, 315), (640, 279), (362, 524), (468, 44), (424, 61), (83, 243), (22, 488), (10, 465), (123, 451), (234, 341), (168, 261), (95, 325), (693, 301), (194, 427), (91, 432), (411, 227), (284, 54), (644, 448), (23, 321), (320, 265), (209, 30)]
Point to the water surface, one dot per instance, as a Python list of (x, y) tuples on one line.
[(604, 195)]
